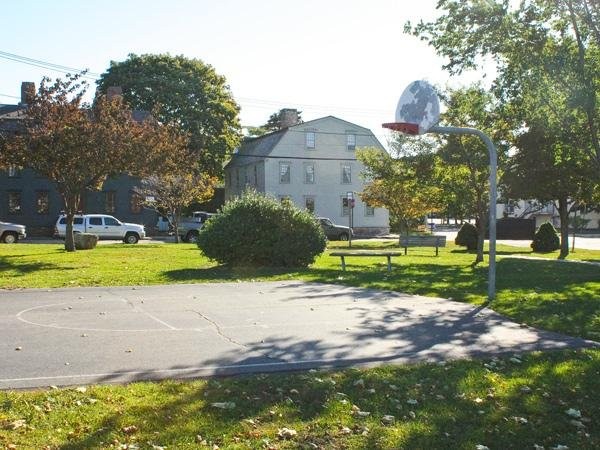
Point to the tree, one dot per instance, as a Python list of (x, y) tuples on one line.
[(547, 56), (402, 185), (169, 193), (78, 147), (186, 92), (276, 122), (465, 158)]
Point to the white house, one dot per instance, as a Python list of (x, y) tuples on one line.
[(312, 164), (544, 212)]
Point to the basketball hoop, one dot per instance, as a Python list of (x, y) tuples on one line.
[(403, 127), (418, 109), (418, 112)]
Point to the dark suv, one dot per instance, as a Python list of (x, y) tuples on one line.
[(335, 232)]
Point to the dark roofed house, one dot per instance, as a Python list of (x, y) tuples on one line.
[(32, 200)]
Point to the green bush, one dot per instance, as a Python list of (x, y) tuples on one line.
[(256, 230), (85, 241), (545, 239), (467, 237)]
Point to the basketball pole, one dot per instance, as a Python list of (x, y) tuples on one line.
[(493, 195)]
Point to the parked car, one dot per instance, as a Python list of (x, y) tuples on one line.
[(10, 233), (333, 231), (105, 227), (189, 227)]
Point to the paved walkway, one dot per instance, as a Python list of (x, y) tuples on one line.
[(95, 335)]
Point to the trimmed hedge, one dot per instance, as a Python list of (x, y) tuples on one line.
[(467, 236), (545, 239), (256, 230)]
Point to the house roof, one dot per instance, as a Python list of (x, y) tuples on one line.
[(262, 146), (10, 111)]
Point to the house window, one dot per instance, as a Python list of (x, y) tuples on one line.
[(369, 210), (14, 202), (42, 202), (110, 201), (284, 173), (345, 208), (309, 203), (309, 173), (255, 176), (310, 139), (351, 142), (13, 171), (346, 174), (135, 203)]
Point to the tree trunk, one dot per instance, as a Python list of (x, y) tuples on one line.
[(71, 204), (563, 212)]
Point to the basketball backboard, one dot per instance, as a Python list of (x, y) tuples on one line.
[(418, 109)]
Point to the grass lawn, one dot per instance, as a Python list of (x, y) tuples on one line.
[(544, 399), (563, 297), (548, 400)]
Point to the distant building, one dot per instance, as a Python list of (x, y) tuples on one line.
[(312, 164), (32, 200), (544, 212)]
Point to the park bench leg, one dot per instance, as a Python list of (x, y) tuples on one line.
[(343, 263), (405, 249), (436, 250), (389, 263)]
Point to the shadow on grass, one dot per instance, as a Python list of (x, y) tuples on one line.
[(435, 407), (10, 263)]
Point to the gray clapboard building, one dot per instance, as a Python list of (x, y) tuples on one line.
[(312, 164)]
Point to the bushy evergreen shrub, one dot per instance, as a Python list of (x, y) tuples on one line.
[(256, 230), (545, 239), (467, 237)]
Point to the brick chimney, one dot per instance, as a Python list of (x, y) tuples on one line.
[(114, 91), (27, 92), (288, 117)]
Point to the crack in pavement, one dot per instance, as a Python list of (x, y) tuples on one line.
[(230, 339)]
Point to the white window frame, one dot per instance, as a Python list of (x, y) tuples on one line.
[(345, 209), (289, 172), (306, 199), (306, 173), (351, 141), (310, 139), (369, 208), (343, 166)]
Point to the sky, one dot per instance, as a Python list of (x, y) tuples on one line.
[(350, 58)]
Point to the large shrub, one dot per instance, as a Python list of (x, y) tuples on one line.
[(467, 237), (258, 230), (545, 239)]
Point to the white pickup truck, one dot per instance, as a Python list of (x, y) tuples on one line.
[(105, 227)]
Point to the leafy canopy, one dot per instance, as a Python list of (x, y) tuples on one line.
[(184, 91)]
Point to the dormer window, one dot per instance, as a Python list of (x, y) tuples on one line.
[(310, 139)]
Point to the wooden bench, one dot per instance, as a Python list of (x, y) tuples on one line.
[(423, 241), (387, 254)]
